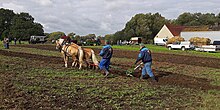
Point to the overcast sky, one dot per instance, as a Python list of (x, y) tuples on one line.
[(102, 17)]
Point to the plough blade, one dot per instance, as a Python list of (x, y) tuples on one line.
[(130, 73)]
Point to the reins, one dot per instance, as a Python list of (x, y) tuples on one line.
[(65, 51)]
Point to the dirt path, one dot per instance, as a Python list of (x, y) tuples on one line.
[(165, 78)]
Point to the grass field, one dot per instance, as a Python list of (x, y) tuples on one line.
[(42, 83), (162, 49)]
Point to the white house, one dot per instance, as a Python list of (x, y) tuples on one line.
[(169, 31)]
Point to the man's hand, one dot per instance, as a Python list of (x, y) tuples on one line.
[(135, 63)]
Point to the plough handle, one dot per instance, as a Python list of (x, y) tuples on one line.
[(138, 66)]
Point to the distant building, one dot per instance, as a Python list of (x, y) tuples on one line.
[(135, 40), (187, 32), (169, 31)]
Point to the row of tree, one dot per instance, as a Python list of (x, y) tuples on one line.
[(84, 40), (148, 25), (20, 26), (197, 19)]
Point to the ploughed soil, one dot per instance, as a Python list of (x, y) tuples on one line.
[(19, 97), (165, 78)]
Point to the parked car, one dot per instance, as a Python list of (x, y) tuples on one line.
[(181, 45), (209, 48)]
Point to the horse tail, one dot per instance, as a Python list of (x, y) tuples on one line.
[(94, 59)]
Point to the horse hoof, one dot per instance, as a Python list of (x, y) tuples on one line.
[(66, 65)]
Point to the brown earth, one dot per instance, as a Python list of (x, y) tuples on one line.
[(165, 78), (18, 99), (160, 57)]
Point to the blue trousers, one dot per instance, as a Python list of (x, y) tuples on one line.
[(147, 69), (104, 64), (6, 45)]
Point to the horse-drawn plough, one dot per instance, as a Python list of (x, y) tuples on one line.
[(130, 71)]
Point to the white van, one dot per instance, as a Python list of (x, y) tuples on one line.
[(37, 39), (160, 41)]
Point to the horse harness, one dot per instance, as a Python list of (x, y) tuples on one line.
[(65, 50), (67, 54)]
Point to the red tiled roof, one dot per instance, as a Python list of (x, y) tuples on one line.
[(64, 37), (196, 28), (175, 30)]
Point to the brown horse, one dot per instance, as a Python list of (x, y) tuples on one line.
[(88, 56), (73, 51)]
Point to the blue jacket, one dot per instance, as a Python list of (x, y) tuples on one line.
[(106, 52), (144, 55)]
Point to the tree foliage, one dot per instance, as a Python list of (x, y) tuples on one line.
[(196, 19), (89, 36), (23, 26), (19, 25), (142, 25), (148, 25), (6, 16), (55, 35), (71, 35)]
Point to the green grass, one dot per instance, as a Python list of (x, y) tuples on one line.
[(214, 75), (33, 51), (153, 48), (211, 100), (162, 49)]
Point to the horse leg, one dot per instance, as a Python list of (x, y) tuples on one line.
[(65, 60), (74, 61), (80, 62), (73, 64), (87, 63), (80, 57)]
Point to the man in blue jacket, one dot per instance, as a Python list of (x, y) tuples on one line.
[(145, 56), (106, 54)]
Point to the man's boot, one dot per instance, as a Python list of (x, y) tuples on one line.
[(142, 77), (106, 73), (154, 79)]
